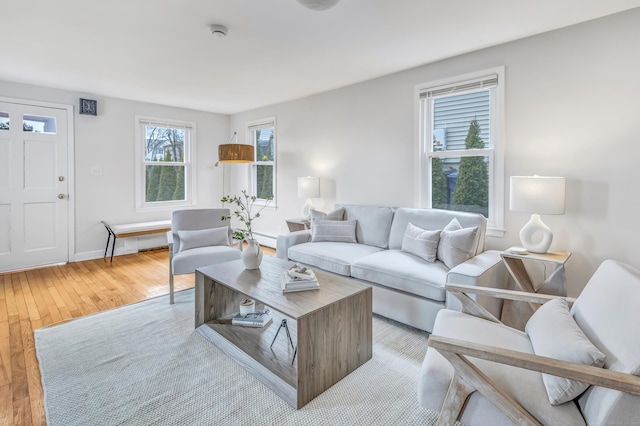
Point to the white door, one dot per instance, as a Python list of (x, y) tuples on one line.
[(33, 186)]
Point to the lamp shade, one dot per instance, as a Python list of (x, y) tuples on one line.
[(235, 153), (537, 194), (308, 187)]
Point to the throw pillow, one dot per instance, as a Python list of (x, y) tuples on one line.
[(421, 242), (204, 238), (457, 244), (343, 231), (337, 214), (555, 334)]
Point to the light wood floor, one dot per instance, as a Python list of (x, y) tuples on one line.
[(40, 297)]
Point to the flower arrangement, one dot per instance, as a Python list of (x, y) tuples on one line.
[(244, 213)]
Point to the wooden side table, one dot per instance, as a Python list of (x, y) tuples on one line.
[(516, 314), (299, 224)]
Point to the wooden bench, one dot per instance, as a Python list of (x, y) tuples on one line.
[(126, 230)]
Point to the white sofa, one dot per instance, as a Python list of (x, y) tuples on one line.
[(406, 288)]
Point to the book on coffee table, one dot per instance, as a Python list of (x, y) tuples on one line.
[(253, 319), (298, 278)]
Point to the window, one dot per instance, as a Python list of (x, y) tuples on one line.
[(164, 172), (262, 135), (460, 122)]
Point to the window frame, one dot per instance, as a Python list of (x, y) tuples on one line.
[(140, 164), (251, 127), (495, 149)]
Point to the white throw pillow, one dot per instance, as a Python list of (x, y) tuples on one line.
[(337, 214), (421, 242), (204, 238), (457, 244), (343, 231), (555, 334)]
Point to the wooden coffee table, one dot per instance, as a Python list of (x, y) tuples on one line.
[(331, 327)]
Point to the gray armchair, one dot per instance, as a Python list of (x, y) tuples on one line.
[(571, 366), (198, 237)]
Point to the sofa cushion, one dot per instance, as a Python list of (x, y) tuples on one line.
[(525, 386), (421, 242), (343, 231), (204, 237), (403, 271), (555, 334), (374, 223), (457, 244), (330, 256), (434, 219)]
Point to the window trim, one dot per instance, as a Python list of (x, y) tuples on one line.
[(423, 136), (252, 126), (190, 166)]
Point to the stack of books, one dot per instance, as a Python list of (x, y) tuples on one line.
[(298, 278), (253, 319)]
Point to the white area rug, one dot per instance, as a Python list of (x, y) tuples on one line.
[(144, 364)]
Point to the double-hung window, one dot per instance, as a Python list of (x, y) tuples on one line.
[(164, 168), (262, 135), (461, 161)]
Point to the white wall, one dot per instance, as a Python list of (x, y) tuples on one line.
[(572, 109), (107, 141)]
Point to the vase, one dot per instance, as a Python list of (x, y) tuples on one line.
[(252, 255)]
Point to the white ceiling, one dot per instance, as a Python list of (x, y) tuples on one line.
[(161, 51)]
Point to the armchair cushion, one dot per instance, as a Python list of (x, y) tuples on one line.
[(457, 244), (555, 334), (343, 231), (421, 242), (204, 238)]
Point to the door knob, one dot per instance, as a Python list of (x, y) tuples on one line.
[(62, 196)]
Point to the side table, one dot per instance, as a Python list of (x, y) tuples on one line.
[(299, 224), (516, 314)]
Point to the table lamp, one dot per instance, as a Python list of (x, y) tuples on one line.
[(537, 195), (308, 187)]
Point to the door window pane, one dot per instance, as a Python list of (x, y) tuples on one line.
[(38, 124), (4, 120)]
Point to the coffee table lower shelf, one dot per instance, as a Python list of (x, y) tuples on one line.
[(249, 347)]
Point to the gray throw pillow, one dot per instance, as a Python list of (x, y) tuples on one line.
[(421, 242), (555, 334), (457, 244), (343, 231), (204, 238)]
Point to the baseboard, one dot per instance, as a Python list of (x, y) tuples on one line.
[(266, 240)]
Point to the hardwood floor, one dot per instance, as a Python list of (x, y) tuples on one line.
[(41, 297)]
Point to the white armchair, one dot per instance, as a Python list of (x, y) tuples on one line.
[(481, 372), (198, 237)]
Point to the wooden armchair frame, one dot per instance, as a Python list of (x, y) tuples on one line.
[(468, 378)]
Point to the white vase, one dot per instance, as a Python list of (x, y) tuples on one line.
[(252, 255)]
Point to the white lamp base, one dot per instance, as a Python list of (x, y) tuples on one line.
[(306, 210), (536, 226)]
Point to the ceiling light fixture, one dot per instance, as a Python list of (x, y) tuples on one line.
[(235, 152), (219, 30), (318, 4)]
